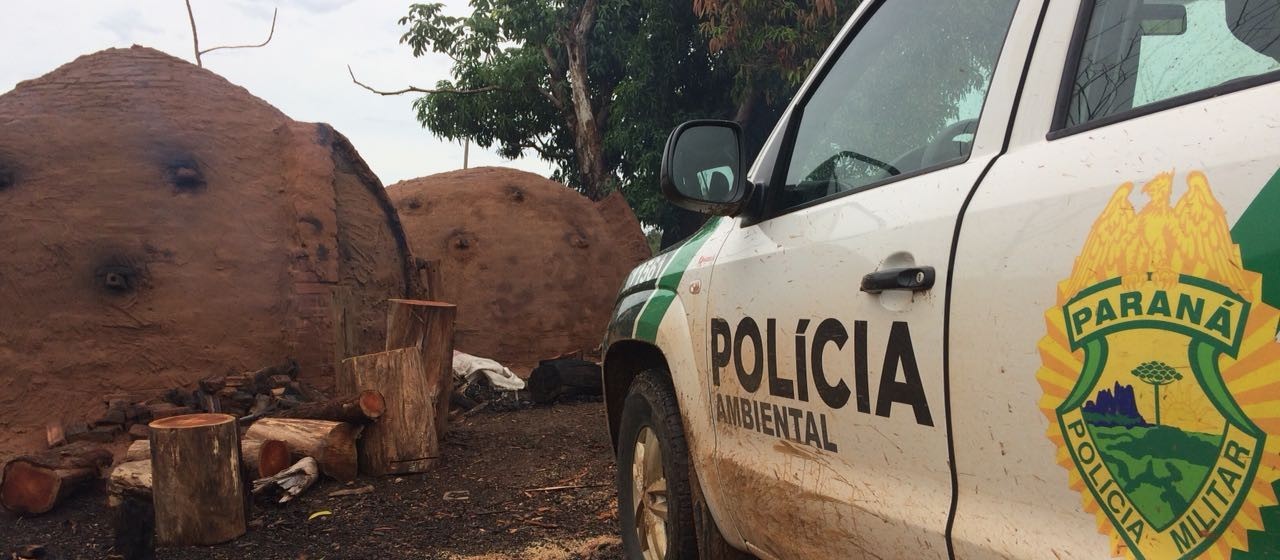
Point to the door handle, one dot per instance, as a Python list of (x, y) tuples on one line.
[(915, 278)]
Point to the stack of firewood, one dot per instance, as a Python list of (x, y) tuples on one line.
[(253, 394), (272, 390), (180, 481)]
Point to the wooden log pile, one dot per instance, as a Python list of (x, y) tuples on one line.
[(181, 481)]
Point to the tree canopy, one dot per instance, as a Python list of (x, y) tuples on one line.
[(595, 86)]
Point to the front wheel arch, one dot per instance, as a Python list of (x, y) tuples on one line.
[(622, 363)]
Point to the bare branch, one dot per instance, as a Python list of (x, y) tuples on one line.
[(195, 38), (274, 13), (413, 89)]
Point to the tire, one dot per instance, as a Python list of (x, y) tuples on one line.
[(651, 420)]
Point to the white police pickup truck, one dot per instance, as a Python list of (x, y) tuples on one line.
[(1003, 283)]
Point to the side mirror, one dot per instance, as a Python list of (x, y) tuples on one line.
[(703, 168)]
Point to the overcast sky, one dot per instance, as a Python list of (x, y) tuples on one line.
[(302, 71)]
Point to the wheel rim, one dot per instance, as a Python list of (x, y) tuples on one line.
[(649, 495)]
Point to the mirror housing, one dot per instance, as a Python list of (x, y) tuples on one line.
[(703, 168)]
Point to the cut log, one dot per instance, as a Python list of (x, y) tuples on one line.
[(54, 434), (265, 457), (261, 379), (360, 409), (566, 377), (262, 404), (74, 430), (130, 477), (332, 444), (212, 385), (138, 451), (166, 410), (133, 515), (139, 431), (208, 402), (427, 326), (404, 439), (197, 486), (34, 484)]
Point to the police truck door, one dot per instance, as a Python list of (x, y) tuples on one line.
[(826, 334), (1130, 359)]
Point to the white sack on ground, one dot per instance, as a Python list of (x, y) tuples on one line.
[(469, 368)]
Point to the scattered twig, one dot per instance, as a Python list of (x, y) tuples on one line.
[(565, 487), (366, 489), (476, 409), (415, 89)]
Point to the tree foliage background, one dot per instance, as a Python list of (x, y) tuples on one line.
[(595, 86)]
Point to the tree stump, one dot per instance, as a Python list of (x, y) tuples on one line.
[(264, 458), (331, 444), (427, 326), (133, 516), (34, 484), (404, 439), (196, 484)]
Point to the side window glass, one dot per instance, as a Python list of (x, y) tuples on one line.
[(1139, 52), (715, 183), (904, 95)]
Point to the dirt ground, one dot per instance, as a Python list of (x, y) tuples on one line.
[(495, 464)]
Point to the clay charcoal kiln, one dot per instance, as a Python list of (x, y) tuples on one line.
[(161, 224), (533, 266)]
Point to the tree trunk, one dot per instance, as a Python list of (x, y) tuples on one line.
[(197, 489), (133, 517), (746, 107), (264, 457), (427, 326), (332, 444), (34, 484), (405, 439), (362, 408), (587, 136)]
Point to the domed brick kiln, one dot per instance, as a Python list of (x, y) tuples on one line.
[(161, 224), (533, 266)]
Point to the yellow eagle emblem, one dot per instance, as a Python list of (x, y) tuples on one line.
[(1162, 240)]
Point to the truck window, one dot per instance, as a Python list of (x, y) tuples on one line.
[(903, 95), (1137, 53)]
